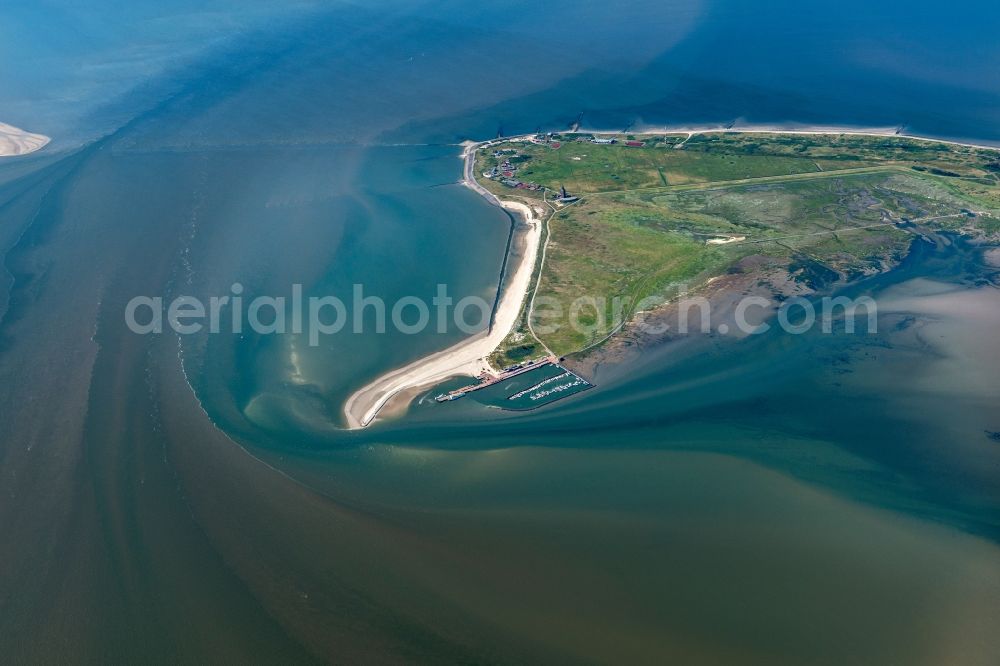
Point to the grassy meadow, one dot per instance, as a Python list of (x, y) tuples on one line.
[(838, 204)]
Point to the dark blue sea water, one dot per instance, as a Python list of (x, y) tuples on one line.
[(811, 499)]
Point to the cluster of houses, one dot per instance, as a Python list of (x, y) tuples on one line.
[(506, 171), (609, 140), (551, 140)]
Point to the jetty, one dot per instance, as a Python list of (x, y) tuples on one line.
[(487, 378)]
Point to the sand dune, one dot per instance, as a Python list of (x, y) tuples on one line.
[(15, 141)]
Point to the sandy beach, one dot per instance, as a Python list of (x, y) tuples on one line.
[(692, 130), (15, 141), (469, 356)]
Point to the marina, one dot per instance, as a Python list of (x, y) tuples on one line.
[(523, 386)]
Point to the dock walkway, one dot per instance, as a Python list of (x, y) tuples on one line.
[(489, 379)]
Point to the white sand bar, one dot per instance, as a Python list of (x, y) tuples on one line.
[(15, 141)]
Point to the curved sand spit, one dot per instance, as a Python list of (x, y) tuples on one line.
[(15, 141), (469, 356)]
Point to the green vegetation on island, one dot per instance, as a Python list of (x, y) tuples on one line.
[(647, 213)]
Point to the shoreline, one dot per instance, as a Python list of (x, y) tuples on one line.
[(808, 130), (467, 357), (15, 142)]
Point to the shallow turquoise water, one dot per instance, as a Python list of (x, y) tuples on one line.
[(768, 500)]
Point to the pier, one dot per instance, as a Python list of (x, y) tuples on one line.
[(489, 379)]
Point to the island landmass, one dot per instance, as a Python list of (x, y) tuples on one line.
[(625, 222)]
